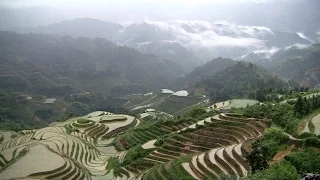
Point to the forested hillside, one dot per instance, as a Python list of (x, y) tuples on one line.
[(76, 74), (239, 80), (300, 64), (54, 65), (205, 70)]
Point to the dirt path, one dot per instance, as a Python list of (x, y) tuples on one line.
[(304, 124), (280, 155), (149, 144), (316, 122), (306, 128)]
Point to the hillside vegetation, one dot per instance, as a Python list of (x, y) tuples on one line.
[(55, 65), (239, 80), (300, 64)]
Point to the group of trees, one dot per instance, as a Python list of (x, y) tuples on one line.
[(239, 80), (16, 112), (302, 160), (305, 105), (81, 104), (41, 63)]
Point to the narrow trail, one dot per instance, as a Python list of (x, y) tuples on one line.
[(306, 128), (280, 155), (316, 122)]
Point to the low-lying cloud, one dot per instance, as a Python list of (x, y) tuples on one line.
[(305, 37), (207, 34)]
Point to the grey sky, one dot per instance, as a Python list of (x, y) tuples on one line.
[(27, 13), (108, 3)]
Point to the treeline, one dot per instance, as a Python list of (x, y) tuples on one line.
[(37, 63), (305, 106), (17, 113), (239, 80), (81, 104)]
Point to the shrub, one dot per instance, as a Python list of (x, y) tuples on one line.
[(306, 134), (258, 158), (311, 126), (113, 163), (280, 171), (78, 109), (312, 142), (83, 121), (135, 153), (234, 114), (305, 161), (159, 141), (177, 171), (274, 140)]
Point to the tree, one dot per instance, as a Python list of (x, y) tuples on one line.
[(260, 95), (299, 107), (78, 109), (280, 171), (258, 158)]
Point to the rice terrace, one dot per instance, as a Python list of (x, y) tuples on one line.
[(160, 90), (84, 147)]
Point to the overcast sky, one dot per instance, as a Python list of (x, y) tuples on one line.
[(106, 3), (28, 13)]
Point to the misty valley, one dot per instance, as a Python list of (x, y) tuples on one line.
[(121, 90)]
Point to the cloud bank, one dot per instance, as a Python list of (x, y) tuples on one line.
[(212, 34)]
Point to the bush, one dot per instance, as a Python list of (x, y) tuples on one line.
[(306, 134), (113, 163), (159, 141), (306, 161), (78, 109), (234, 114), (311, 126), (256, 111), (83, 121), (135, 153), (280, 171), (312, 142), (275, 140)]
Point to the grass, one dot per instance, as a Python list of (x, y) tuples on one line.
[(9, 163), (83, 121), (177, 171), (311, 127), (303, 123), (113, 163), (1, 139), (173, 104), (241, 103)]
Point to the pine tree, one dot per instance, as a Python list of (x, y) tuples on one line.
[(298, 107)]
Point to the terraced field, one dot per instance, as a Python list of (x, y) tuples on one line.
[(74, 149), (215, 146), (240, 103), (166, 102), (80, 148)]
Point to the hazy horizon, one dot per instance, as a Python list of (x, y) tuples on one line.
[(31, 13)]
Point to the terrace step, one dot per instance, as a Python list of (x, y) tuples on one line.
[(204, 168), (187, 167)]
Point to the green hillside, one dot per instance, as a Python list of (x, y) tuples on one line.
[(36, 63), (203, 71), (239, 80)]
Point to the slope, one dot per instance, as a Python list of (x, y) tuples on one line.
[(238, 81), (32, 62)]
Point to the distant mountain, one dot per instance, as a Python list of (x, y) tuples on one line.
[(300, 64), (206, 70), (172, 51), (208, 40), (204, 39), (55, 65), (238, 81), (85, 27)]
